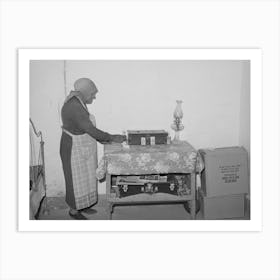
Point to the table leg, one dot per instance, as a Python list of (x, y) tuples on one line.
[(108, 195), (110, 210), (193, 201)]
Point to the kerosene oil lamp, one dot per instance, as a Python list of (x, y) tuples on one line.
[(177, 125)]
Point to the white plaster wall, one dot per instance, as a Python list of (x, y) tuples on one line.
[(244, 135), (142, 95)]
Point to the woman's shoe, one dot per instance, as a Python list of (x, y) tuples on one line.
[(89, 211), (77, 216)]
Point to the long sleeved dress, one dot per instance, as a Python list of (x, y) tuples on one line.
[(78, 152)]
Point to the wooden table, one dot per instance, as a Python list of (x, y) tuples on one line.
[(180, 158)]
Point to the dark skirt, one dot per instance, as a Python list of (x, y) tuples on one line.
[(65, 154)]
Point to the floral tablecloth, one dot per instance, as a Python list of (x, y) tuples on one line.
[(158, 159)]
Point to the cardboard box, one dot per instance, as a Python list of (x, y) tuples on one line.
[(226, 171), (223, 207)]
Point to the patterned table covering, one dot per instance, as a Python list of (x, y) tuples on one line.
[(158, 159)]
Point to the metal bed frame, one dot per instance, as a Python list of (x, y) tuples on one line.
[(38, 173)]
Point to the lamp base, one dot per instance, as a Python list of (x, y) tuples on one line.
[(176, 137)]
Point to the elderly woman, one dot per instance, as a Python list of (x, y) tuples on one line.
[(78, 148)]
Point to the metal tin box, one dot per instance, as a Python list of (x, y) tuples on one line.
[(147, 137)]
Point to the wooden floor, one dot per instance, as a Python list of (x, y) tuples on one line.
[(58, 210)]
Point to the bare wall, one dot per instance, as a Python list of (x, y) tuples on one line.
[(142, 95)]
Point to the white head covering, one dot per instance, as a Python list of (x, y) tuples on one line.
[(82, 86)]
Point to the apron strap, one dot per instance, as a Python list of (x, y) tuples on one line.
[(67, 132)]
